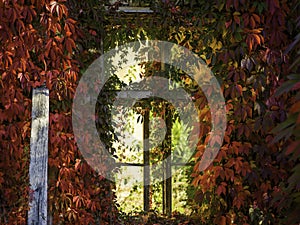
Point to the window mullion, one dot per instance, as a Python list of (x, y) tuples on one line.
[(146, 157)]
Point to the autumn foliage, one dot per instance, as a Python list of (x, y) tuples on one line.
[(37, 47), (251, 46)]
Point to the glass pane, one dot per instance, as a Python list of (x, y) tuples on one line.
[(129, 189), (180, 187)]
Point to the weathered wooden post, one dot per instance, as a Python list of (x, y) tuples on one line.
[(38, 168)]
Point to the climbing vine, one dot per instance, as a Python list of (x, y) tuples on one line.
[(251, 46)]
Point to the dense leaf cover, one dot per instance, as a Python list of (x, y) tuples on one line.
[(251, 46), (38, 47)]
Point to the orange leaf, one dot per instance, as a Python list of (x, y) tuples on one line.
[(257, 38)]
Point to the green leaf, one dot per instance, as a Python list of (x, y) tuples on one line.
[(285, 87), (295, 177), (294, 76), (295, 63), (284, 125), (284, 129), (261, 7)]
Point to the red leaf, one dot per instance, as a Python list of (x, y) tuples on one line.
[(221, 189), (228, 23)]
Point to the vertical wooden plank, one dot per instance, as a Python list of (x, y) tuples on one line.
[(38, 168), (167, 167), (146, 156)]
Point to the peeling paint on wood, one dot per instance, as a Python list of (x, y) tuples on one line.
[(38, 168)]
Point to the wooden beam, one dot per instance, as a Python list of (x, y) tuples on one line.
[(134, 9), (146, 156), (167, 166), (38, 168)]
